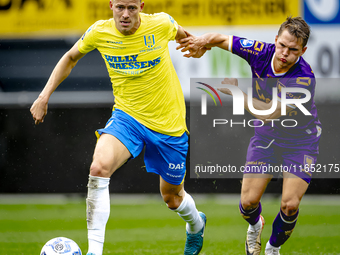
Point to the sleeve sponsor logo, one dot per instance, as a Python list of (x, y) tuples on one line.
[(171, 19), (246, 43), (88, 30)]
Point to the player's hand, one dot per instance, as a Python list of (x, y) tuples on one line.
[(194, 44), (229, 81), (39, 110)]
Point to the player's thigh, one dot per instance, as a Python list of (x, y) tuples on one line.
[(298, 162), (293, 189), (109, 154), (253, 187), (260, 154), (166, 156)]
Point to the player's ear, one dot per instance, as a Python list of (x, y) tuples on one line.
[(276, 37), (111, 4), (141, 6), (304, 50)]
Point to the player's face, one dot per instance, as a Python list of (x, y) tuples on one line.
[(126, 15), (288, 50)]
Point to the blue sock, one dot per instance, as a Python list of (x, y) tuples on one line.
[(283, 226), (251, 216)]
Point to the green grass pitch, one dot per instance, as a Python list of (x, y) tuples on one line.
[(148, 227)]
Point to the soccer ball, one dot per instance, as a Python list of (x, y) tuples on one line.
[(60, 245)]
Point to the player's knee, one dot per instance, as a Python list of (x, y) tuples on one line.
[(249, 204), (290, 207), (172, 201), (99, 169)]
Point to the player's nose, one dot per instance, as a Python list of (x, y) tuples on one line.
[(285, 51), (125, 14)]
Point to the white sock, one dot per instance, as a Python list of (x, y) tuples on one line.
[(269, 246), (188, 212), (97, 211), (257, 226)]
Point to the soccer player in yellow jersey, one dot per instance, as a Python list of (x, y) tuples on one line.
[(149, 111)]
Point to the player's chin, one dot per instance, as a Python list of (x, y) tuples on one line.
[(125, 27)]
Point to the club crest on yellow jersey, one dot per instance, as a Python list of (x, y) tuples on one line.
[(149, 40)]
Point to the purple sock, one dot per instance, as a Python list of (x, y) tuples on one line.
[(283, 226), (252, 216)]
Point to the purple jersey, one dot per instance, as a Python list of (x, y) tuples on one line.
[(259, 55)]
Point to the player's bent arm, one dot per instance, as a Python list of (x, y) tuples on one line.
[(60, 72), (260, 105)]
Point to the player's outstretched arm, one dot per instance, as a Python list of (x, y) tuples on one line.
[(60, 72), (181, 34), (195, 44)]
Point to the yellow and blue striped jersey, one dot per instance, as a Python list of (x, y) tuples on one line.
[(144, 81)]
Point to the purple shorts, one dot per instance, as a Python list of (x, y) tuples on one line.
[(268, 158)]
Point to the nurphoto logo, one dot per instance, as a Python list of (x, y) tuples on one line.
[(238, 99)]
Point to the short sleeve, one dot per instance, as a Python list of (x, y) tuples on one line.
[(251, 50), (170, 25), (86, 42)]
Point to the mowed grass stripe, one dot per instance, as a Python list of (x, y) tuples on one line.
[(153, 229)]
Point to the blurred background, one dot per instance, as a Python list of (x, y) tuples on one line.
[(55, 156)]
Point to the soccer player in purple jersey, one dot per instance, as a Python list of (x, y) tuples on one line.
[(278, 65)]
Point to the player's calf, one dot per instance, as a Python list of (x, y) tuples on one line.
[(98, 212), (256, 223), (283, 227)]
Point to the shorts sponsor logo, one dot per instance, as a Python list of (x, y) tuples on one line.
[(308, 161), (319, 129), (174, 176), (173, 166)]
